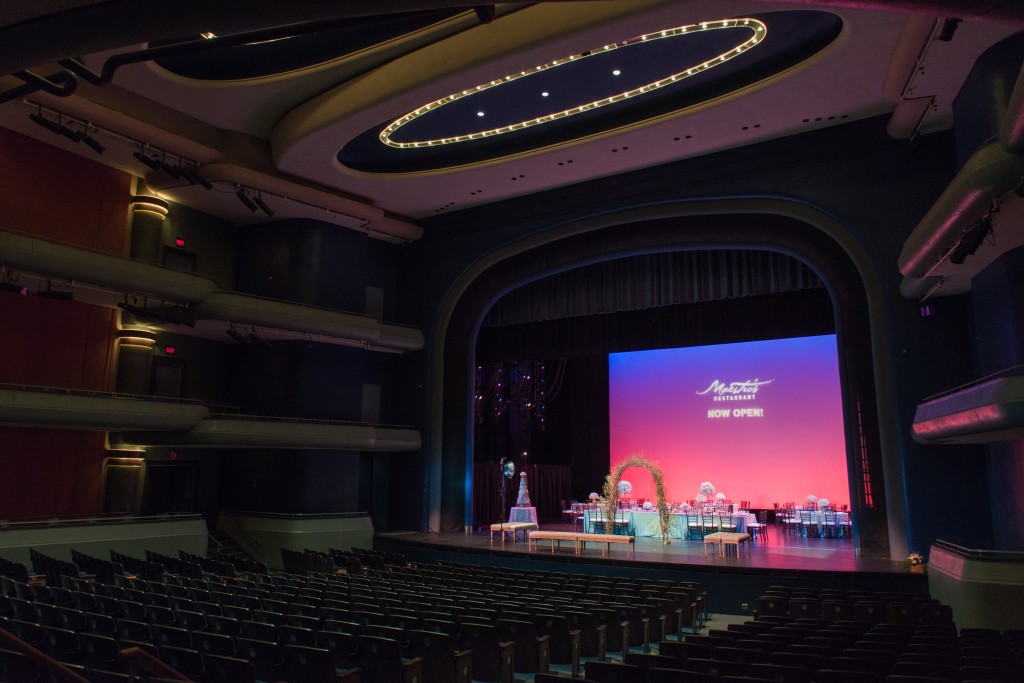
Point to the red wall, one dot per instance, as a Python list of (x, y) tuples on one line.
[(59, 196)]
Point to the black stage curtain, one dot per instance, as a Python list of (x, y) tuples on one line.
[(549, 485), (772, 316)]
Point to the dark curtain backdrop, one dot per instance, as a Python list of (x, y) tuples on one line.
[(549, 485), (771, 316), (646, 281)]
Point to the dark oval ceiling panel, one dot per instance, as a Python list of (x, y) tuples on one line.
[(311, 45), (608, 87)]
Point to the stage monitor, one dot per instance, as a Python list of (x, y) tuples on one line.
[(762, 421)]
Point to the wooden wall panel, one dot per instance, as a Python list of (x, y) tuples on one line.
[(56, 343), (60, 196), (50, 472)]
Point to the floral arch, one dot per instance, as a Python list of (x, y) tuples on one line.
[(611, 491)]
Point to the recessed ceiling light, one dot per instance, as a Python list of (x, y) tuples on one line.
[(479, 113), (544, 94), (616, 73)]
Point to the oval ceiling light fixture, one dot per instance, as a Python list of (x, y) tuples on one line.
[(758, 33)]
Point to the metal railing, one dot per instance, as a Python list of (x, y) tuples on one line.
[(953, 546), (93, 520)]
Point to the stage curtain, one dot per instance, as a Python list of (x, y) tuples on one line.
[(548, 486), (652, 281)]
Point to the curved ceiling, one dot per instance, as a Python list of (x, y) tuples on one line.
[(272, 112), (614, 86)]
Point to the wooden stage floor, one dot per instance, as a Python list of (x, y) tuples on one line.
[(781, 552)]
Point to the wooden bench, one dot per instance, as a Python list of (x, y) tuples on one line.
[(511, 528), (607, 539), (724, 538), (554, 537), (581, 540)]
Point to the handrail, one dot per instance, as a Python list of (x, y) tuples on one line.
[(244, 535), (141, 659), (178, 270), (287, 515), (91, 520), (302, 420), (1012, 371), (954, 546), (98, 394), (41, 659)]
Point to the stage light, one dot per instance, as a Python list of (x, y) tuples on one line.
[(168, 169), (244, 198), (46, 123), (91, 142), (236, 335), (971, 240), (147, 160), (193, 177), (263, 207), (256, 339)]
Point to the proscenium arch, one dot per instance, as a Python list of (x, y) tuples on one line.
[(767, 223)]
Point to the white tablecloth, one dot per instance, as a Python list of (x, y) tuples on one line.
[(648, 524)]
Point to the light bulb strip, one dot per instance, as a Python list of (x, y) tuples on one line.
[(760, 31)]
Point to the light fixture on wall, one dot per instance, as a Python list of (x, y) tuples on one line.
[(150, 204)]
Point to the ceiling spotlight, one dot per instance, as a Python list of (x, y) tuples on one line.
[(244, 198), (91, 142), (971, 239), (191, 174), (263, 206), (256, 339), (147, 160), (168, 169), (46, 123), (236, 335)]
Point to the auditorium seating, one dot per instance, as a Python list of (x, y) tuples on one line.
[(261, 625)]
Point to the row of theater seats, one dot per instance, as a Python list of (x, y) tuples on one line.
[(797, 637), (426, 623), (804, 652)]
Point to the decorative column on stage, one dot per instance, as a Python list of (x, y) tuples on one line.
[(523, 511)]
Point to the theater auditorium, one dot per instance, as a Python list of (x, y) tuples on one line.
[(418, 340)]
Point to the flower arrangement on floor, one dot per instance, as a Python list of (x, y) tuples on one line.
[(612, 490), (915, 562)]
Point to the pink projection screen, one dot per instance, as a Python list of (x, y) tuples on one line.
[(762, 420)]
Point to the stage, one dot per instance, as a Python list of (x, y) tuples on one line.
[(732, 581)]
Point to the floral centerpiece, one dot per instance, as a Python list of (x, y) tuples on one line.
[(625, 488), (719, 496), (823, 502), (707, 489), (701, 498), (812, 499)]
